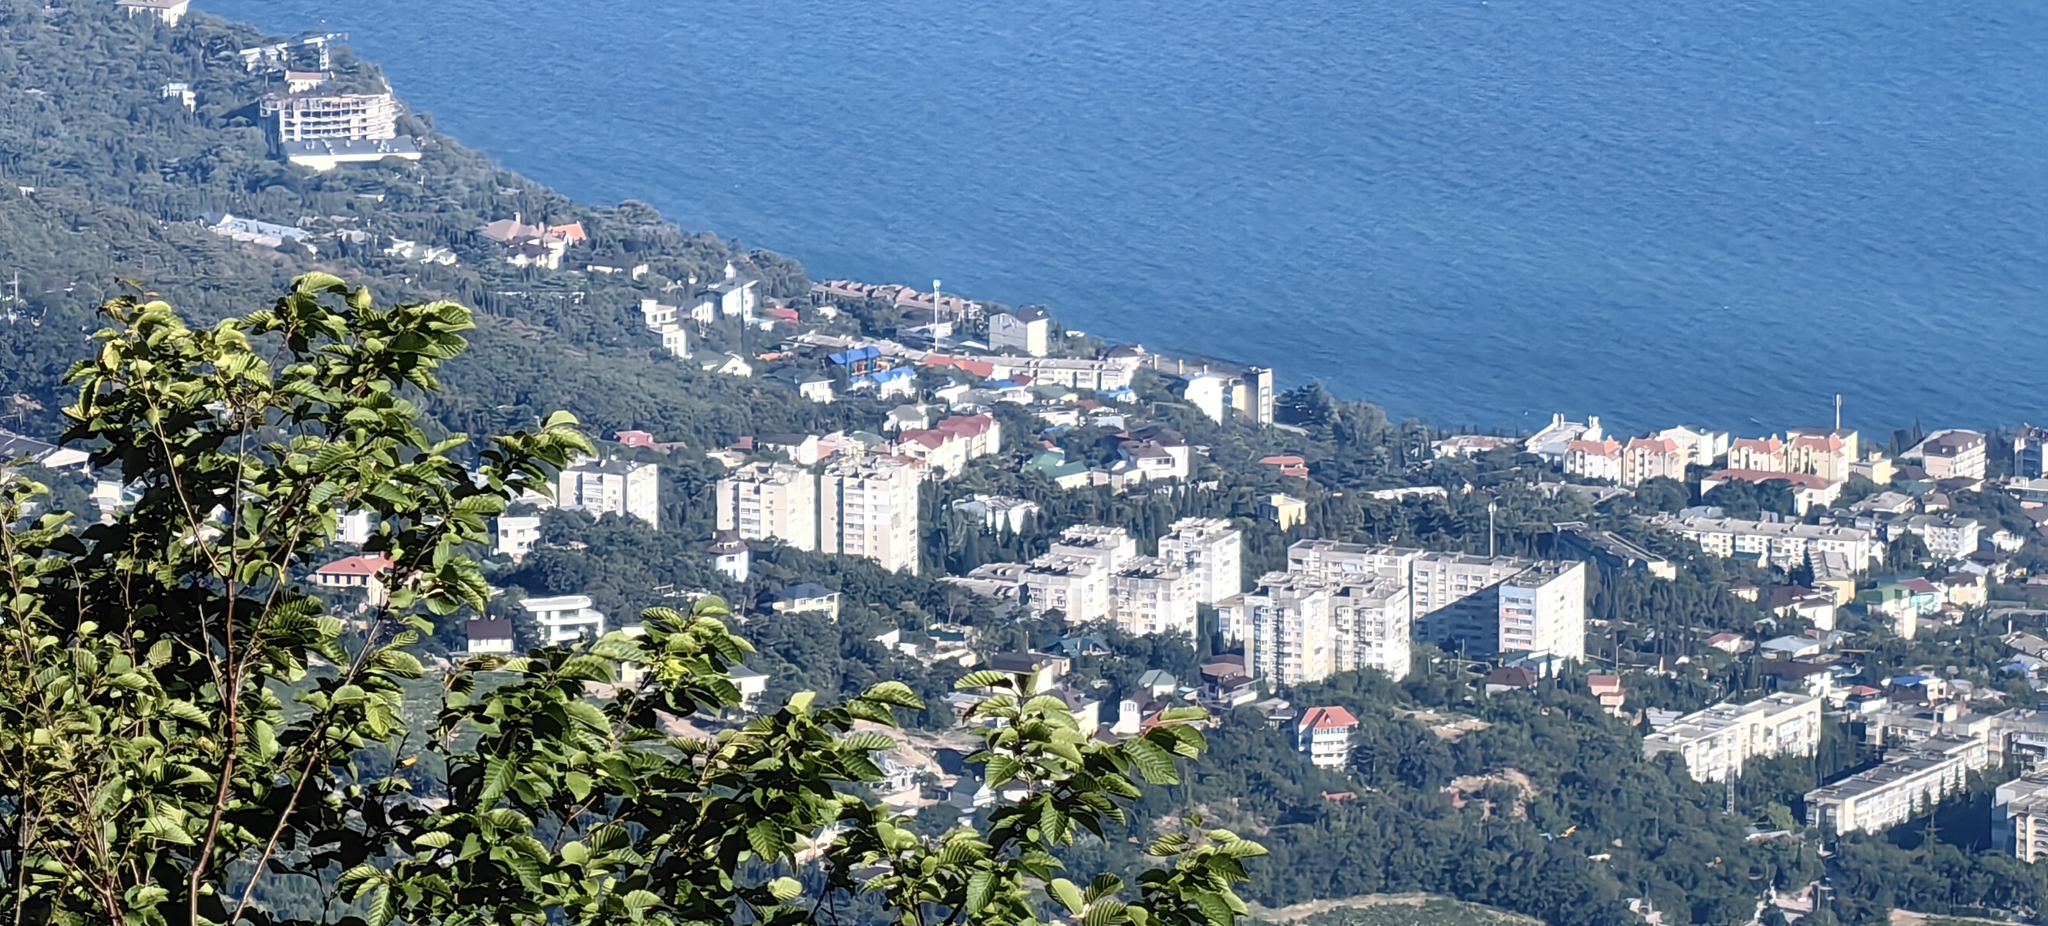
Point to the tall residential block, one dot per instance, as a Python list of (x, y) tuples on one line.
[(1370, 620), (868, 507), (1286, 627), (1153, 595), (331, 116), (1210, 551), (770, 501), (618, 487)]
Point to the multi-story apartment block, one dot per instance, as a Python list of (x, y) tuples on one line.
[(1701, 447), (1552, 442), (1108, 547), (1714, 743), (2030, 453), (1286, 628), (1594, 459), (1951, 453), (1324, 735), (1824, 453), (1946, 536), (869, 507), (2020, 820), (1779, 543), (565, 618), (1075, 586), (1757, 454), (1650, 458), (1334, 561), (618, 487), (1543, 610), (331, 116), (1371, 621), (770, 501), (1210, 551), (1151, 595), (1908, 780)]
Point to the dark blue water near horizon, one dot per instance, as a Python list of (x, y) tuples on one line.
[(1474, 211)]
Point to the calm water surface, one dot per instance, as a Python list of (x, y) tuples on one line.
[(1476, 211)]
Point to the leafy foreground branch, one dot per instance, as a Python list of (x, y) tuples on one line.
[(186, 734)]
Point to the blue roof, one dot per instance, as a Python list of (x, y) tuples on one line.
[(886, 376), (855, 355)]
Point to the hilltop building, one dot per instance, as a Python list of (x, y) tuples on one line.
[(618, 487), (770, 501), (1717, 741)]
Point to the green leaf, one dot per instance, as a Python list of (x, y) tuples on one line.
[(1153, 761), (785, 889), (1066, 893)]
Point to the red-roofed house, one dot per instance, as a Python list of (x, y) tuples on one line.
[(1599, 459), (356, 573), (634, 438), (1324, 735), (1608, 689), (980, 368), (1650, 458), (1288, 464), (1761, 454), (947, 446)]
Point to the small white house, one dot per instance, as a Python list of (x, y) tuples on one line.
[(565, 618)]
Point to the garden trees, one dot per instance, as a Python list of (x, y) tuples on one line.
[(186, 735)]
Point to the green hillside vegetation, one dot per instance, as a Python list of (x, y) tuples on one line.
[(102, 182), (1391, 910)]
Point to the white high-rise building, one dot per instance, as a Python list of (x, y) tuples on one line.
[(618, 487), (517, 535), (1109, 547), (1370, 620), (1209, 550), (1286, 627), (770, 501), (1716, 742), (869, 507), (1075, 586), (1153, 595)]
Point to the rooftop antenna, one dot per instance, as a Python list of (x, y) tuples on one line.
[(1838, 411), (935, 305)]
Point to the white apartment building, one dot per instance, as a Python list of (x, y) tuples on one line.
[(1371, 620), (1951, 453), (1947, 536), (1717, 741), (1324, 735), (332, 116), (1210, 551), (1439, 580), (1593, 459), (1550, 443), (1908, 781), (1543, 610), (1108, 547), (1286, 628), (1075, 586), (517, 535), (868, 507), (1151, 595), (1780, 543), (565, 618), (618, 487), (770, 501), (2020, 820), (1333, 561)]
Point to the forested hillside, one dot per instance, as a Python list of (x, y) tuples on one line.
[(104, 180)]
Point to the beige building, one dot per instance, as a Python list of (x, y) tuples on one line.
[(1210, 551), (1757, 454), (1824, 453), (1150, 595), (1781, 543), (1908, 781), (1950, 454), (1716, 742), (868, 507), (1285, 624), (1285, 510), (1594, 459), (1650, 458), (770, 501), (619, 487)]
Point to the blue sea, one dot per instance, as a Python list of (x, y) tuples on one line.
[(1471, 211)]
